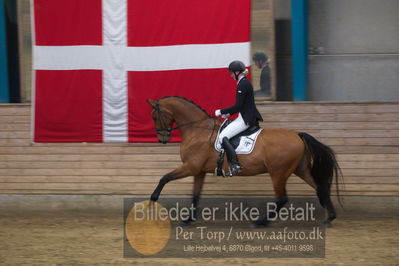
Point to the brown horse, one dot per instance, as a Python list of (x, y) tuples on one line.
[(279, 152)]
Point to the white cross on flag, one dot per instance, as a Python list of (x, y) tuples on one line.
[(97, 61)]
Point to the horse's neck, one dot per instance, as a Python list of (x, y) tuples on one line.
[(187, 117), (184, 113)]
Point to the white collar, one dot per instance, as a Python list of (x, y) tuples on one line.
[(238, 81)]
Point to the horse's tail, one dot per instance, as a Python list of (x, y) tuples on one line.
[(325, 167)]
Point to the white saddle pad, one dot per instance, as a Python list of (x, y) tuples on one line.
[(247, 143)]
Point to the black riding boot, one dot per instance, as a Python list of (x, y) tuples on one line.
[(235, 167)]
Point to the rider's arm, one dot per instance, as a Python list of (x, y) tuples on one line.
[(240, 99)]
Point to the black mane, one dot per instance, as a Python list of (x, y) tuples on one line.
[(187, 100)]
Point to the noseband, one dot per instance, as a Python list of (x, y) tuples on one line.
[(162, 122)]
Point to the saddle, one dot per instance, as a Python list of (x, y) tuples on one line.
[(235, 141), (243, 143)]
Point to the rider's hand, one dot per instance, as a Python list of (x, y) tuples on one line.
[(218, 113)]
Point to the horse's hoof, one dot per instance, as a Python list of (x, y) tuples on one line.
[(328, 224), (259, 224), (254, 226), (153, 198), (185, 222)]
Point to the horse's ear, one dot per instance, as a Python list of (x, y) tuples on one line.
[(151, 102)]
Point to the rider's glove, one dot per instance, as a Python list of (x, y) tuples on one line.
[(218, 113)]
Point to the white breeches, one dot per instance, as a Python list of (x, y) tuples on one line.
[(234, 128)]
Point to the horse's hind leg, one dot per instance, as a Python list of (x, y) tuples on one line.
[(303, 171), (324, 194), (198, 184), (322, 190)]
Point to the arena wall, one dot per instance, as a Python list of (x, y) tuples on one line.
[(365, 136)]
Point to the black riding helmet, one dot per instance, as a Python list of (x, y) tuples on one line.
[(260, 56), (236, 66)]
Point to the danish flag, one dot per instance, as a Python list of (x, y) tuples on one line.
[(97, 61)]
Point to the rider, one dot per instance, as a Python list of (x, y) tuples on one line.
[(248, 114)]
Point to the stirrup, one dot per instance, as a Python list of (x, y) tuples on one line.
[(233, 170)]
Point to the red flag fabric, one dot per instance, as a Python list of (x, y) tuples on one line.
[(97, 61)]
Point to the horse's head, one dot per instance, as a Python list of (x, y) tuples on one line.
[(163, 121)]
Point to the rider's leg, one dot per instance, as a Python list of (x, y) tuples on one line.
[(235, 167), (234, 128)]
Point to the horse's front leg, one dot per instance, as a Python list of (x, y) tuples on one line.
[(279, 179), (180, 172), (198, 184)]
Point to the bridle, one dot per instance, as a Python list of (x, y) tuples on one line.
[(161, 117), (161, 130)]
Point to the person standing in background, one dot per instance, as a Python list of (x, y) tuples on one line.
[(262, 61)]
